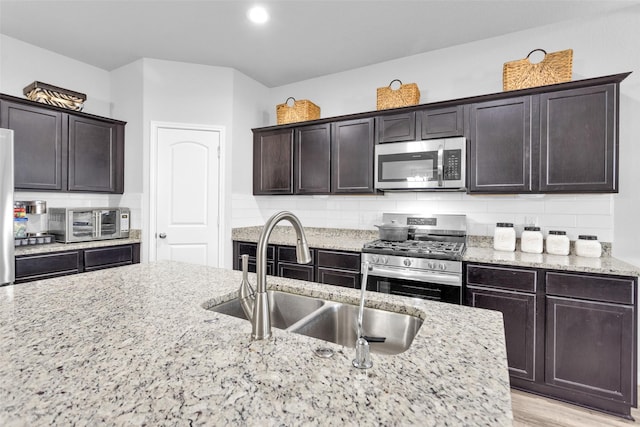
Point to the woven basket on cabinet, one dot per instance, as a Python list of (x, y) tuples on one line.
[(301, 110), (556, 67), (405, 95)]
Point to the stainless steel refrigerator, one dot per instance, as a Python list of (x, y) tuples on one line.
[(7, 255)]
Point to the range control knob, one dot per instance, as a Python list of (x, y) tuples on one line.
[(384, 260), (407, 262), (442, 266), (431, 265), (374, 259)]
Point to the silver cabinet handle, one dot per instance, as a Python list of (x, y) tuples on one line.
[(162, 235)]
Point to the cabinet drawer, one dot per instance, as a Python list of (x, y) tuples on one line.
[(502, 278), (251, 249), (338, 259), (49, 265), (347, 279), (107, 257), (296, 271), (288, 254), (619, 290)]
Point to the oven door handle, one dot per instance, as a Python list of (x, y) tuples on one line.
[(430, 277)]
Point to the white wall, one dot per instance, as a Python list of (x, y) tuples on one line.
[(602, 46)]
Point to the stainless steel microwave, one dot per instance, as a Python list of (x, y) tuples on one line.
[(436, 164), (83, 224)]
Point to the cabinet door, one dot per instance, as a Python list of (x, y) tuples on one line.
[(579, 150), (590, 348), (500, 134), (38, 145), (96, 155), (312, 165), (352, 156), (441, 122), (396, 127), (519, 314), (512, 291), (273, 162)]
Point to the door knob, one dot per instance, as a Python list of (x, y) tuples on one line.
[(162, 235)]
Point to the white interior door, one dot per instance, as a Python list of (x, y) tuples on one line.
[(187, 196)]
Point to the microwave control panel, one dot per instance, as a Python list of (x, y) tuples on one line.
[(452, 165)]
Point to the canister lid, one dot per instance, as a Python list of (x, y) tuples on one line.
[(587, 237), (557, 232), (532, 228), (504, 224)]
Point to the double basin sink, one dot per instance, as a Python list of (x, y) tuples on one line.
[(386, 331)]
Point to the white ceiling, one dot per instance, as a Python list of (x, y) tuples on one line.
[(303, 39)]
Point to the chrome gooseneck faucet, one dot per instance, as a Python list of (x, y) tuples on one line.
[(255, 304)]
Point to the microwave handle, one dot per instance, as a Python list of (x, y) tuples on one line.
[(96, 224), (440, 165)]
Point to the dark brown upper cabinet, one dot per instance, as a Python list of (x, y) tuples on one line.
[(96, 151), (500, 135), (273, 162), (312, 165), (562, 141), (578, 145), (38, 146), (352, 143), (329, 158), (396, 127), (441, 122), (431, 123), (59, 150)]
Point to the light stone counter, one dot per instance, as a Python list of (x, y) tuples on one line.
[(61, 247), (134, 346), (604, 265), (352, 240), (321, 238)]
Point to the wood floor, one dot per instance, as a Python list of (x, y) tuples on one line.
[(530, 410)]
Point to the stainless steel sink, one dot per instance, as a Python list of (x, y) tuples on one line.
[(334, 322), (286, 309), (386, 331)]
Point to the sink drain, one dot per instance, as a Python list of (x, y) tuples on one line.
[(323, 352)]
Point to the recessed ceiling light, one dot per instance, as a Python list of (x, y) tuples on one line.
[(258, 15)]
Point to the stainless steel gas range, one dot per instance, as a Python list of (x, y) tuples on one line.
[(428, 265)]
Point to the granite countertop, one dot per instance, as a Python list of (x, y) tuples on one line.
[(352, 240), (134, 237), (134, 345)]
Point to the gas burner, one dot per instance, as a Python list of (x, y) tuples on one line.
[(417, 249)]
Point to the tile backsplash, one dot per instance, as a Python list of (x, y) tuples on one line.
[(575, 214)]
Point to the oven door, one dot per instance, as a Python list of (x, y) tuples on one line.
[(409, 288)]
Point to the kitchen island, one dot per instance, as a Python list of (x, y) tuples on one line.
[(134, 345)]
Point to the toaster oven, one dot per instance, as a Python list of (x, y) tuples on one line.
[(84, 224)]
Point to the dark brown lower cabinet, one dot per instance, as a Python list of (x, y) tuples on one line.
[(339, 268), (332, 267), (46, 266), (572, 336), (511, 291), (55, 264), (251, 249), (288, 267)]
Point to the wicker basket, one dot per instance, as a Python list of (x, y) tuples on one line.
[(405, 95), (300, 111), (56, 96), (556, 67)]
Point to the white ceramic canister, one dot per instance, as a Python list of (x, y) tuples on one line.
[(558, 243), (531, 240), (588, 246), (504, 237)]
